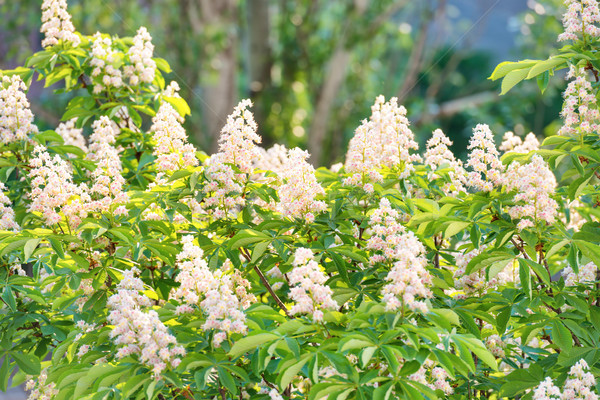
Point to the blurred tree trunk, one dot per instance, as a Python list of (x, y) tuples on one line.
[(219, 94), (334, 79), (260, 57), (337, 67)]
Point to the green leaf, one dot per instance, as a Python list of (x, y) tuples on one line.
[(508, 66), (245, 237), (179, 104), (502, 320), (546, 65), (477, 347), (516, 382), (27, 362), (251, 342), (9, 298), (4, 373), (512, 78), (486, 259), (456, 227), (258, 251), (163, 65), (227, 380), (561, 336), (383, 392), (355, 342), (57, 247), (30, 247), (542, 81), (590, 250), (133, 384), (537, 268), (291, 372), (525, 278)]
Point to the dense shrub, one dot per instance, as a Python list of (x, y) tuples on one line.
[(134, 266)]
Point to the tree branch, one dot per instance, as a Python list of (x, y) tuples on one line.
[(265, 282)]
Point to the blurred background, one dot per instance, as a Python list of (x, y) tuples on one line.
[(314, 67)]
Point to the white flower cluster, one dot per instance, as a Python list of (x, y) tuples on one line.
[(72, 135), (16, 119), (172, 150), (221, 296), (512, 143), (408, 278), (578, 386), (140, 332), (274, 159), (580, 109), (580, 19), (435, 378), (586, 275), (56, 24), (107, 181), (52, 190), (105, 75), (143, 67), (307, 286), (439, 156), (40, 390), (383, 140), (238, 138), (7, 219), (298, 194), (535, 184), (484, 160), (237, 146)]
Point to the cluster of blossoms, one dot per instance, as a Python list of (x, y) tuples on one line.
[(140, 332), (223, 190), (56, 24), (103, 57), (394, 137), (513, 143), (307, 286), (535, 184), (580, 19), (297, 196), (16, 119), (40, 390), (484, 160), (221, 296), (274, 159), (362, 159), (237, 148), (238, 138), (493, 341), (408, 277), (172, 150), (477, 283), (435, 378), (580, 110), (72, 135), (143, 67), (53, 191), (7, 221), (107, 181), (384, 140), (579, 385), (587, 274), (438, 155)]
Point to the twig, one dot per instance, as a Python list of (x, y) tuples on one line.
[(266, 283)]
